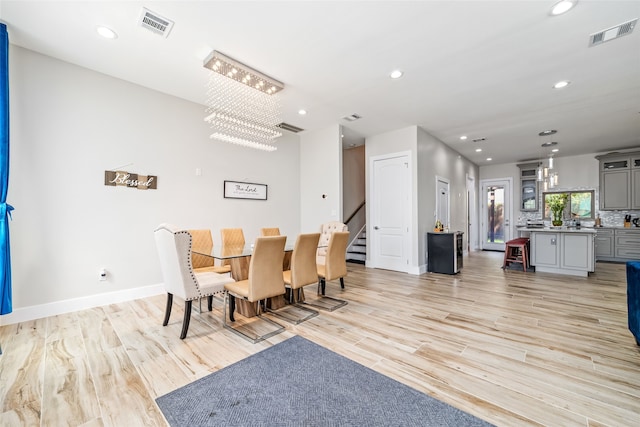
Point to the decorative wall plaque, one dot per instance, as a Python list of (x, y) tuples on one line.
[(131, 180), (244, 190)]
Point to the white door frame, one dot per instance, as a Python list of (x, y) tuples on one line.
[(508, 210), (372, 262), (472, 214), (445, 221)]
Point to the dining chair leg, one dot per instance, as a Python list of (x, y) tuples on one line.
[(210, 302), (232, 306), (167, 311), (187, 319), (342, 282)]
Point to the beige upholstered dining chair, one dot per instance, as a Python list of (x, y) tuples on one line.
[(303, 272), (264, 281), (335, 265), (203, 242), (273, 231), (174, 250), (232, 239), (326, 230)]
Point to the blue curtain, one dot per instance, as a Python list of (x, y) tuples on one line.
[(5, 209)]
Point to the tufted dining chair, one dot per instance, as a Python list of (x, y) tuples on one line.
[(326, 230), (202, 242), (273, 231), (174, 250), (264, 281)]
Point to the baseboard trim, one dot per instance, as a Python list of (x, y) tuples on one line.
[(61, 307)]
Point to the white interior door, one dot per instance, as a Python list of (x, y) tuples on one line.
[(390, 213), (442, 201), (496, 214)]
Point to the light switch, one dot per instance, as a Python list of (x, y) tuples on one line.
[(198, 172)]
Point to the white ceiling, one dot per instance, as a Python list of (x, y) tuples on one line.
[(479, 68)]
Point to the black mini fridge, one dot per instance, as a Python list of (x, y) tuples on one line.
[(444, 252)]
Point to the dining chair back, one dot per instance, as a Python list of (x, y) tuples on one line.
[(304, 269), (326, 230), (174, 251), (264, 281), (273, 231), (335, 265), (232, 240), (203, 242)]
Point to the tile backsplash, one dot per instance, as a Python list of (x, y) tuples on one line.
[(608, 218)]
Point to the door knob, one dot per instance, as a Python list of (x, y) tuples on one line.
[(376, 227)]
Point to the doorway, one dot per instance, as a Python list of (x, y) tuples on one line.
[(442, 201), (496, 214), (390, 212), (472, 227)]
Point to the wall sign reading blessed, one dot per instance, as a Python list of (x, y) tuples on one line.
[(244, 190), (132, 180)]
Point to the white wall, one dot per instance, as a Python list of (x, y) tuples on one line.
[(320, 174), (437, 159), (430, 158), (69, 125)]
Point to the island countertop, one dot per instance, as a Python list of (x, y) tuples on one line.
[(589, 230)]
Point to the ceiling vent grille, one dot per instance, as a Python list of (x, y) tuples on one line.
[(479, 139), (352, 117), (620, 30), (290, 128), (155, 23)]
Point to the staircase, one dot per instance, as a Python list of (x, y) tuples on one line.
[(357, 252)]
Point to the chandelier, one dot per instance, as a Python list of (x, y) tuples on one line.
[(243, 106), (546, 173)]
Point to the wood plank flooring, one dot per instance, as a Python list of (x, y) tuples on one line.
[(510, 347)]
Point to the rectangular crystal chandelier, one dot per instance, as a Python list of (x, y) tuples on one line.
[(243, 106)]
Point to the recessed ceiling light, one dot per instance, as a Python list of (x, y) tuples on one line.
[(478, 150), (548, 132), (563, 6), (555, 150), (463, 137), (561, 84), (396, 74), (549, 144), (302, 112), (106, 32), (489, 159)]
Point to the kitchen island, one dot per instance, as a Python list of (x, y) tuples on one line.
[(562, 250)]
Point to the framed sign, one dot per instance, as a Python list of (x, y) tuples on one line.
[(244, 190)]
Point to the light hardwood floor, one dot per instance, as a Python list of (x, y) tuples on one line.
[(512, 348)]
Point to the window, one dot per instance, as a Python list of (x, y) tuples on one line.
[(580, 204)]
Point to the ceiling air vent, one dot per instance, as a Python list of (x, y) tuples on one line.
[(155, 23), (352, 117), (290, 128), (479, 140), (620, 30)]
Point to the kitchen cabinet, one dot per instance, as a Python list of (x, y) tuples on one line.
[(563, 251), (528, 187), (604, 243), (635, 182), (618, 244), (627, 244), (619, 181)]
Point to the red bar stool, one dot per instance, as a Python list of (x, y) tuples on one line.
[(517, 250)]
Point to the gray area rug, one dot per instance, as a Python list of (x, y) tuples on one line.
[(299, 383)]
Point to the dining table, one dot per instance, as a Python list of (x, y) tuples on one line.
[(239, 257)]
